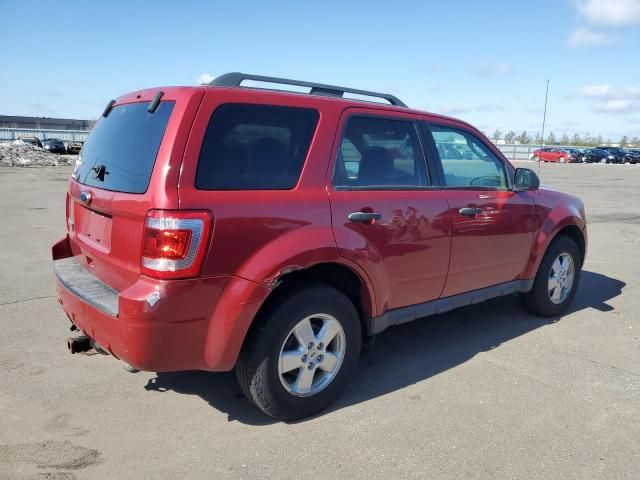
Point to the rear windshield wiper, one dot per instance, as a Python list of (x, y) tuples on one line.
[(108, 108), (153, 106)]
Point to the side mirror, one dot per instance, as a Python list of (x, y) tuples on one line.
[(525, 179)]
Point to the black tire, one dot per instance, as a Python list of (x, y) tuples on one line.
[(257, 366), (537, 301)]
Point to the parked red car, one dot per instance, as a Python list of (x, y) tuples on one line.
[(220, 227), (554, 154)]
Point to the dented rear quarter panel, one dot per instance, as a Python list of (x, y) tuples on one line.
[(260, 235)]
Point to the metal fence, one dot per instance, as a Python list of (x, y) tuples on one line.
[(9, 134), (512, 151), (517, 152)]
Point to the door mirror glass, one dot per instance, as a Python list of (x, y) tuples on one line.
[(525, 179)]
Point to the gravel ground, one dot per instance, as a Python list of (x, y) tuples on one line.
[(483, 392), (18, 154)]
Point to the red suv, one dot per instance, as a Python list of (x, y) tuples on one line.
[(224, 226)]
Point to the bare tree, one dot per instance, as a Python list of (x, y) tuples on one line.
[(588, 140), (551, 139), (576, 140), (510, 136), (523, 138), (497, 135)]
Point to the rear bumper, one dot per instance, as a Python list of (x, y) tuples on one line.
[(195, 324)]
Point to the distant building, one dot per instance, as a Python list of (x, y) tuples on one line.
[(45, 123)]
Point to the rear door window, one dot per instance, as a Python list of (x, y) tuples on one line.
[(121, 150), (255, 147)]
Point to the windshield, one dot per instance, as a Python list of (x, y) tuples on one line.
[(121, 150)]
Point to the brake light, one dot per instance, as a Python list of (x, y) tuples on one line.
[(170, 244), (174, 243)]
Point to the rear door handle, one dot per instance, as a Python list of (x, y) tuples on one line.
[(364, 217), (470, 211)]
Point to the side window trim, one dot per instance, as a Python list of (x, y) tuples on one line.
[(440, 168), (434, 163), (429, 185)]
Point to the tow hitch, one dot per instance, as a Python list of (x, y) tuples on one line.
[(79, 343)]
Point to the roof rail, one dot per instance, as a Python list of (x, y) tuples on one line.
[(234, 79)]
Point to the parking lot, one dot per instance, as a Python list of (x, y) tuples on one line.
[(487, 391)]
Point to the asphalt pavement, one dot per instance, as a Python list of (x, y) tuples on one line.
[(487, 391)]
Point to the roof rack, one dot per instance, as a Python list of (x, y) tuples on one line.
[(234, 79)]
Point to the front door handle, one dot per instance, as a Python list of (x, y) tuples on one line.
[(470, 211), (364, 217)]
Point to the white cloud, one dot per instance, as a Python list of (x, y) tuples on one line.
[(607, 91), (617, 106), (610, 12), (608, 98), (583, 37), (42, 109), (436, 89), (453, 109), (492, 69), (488, 108), (596, 91), (204, 78)]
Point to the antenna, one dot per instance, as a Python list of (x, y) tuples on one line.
[(544, 120)]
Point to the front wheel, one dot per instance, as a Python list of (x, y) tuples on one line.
[(302, 352), (562, 160), (557, 279)]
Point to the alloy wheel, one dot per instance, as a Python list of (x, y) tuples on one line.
[(561, 278), (311, 355)]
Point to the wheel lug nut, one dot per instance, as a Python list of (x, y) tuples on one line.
[(310, 346), (320, 346), (304, 359), (320, 358), (311, 365)]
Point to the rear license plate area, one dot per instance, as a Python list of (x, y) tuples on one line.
[(93, 228)]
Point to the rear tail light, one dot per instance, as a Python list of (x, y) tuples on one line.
[(174, 243)]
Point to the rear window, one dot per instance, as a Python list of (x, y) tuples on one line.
[(121, 150), (255, 147)]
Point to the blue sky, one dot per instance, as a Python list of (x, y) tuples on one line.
[(486, 62)]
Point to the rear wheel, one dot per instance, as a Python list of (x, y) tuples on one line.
[(562, 160), (536, 158), (302, 353), (556, 281)]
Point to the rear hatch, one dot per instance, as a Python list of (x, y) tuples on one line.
[(129, 165)]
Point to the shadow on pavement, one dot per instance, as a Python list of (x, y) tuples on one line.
[(406, 354)]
